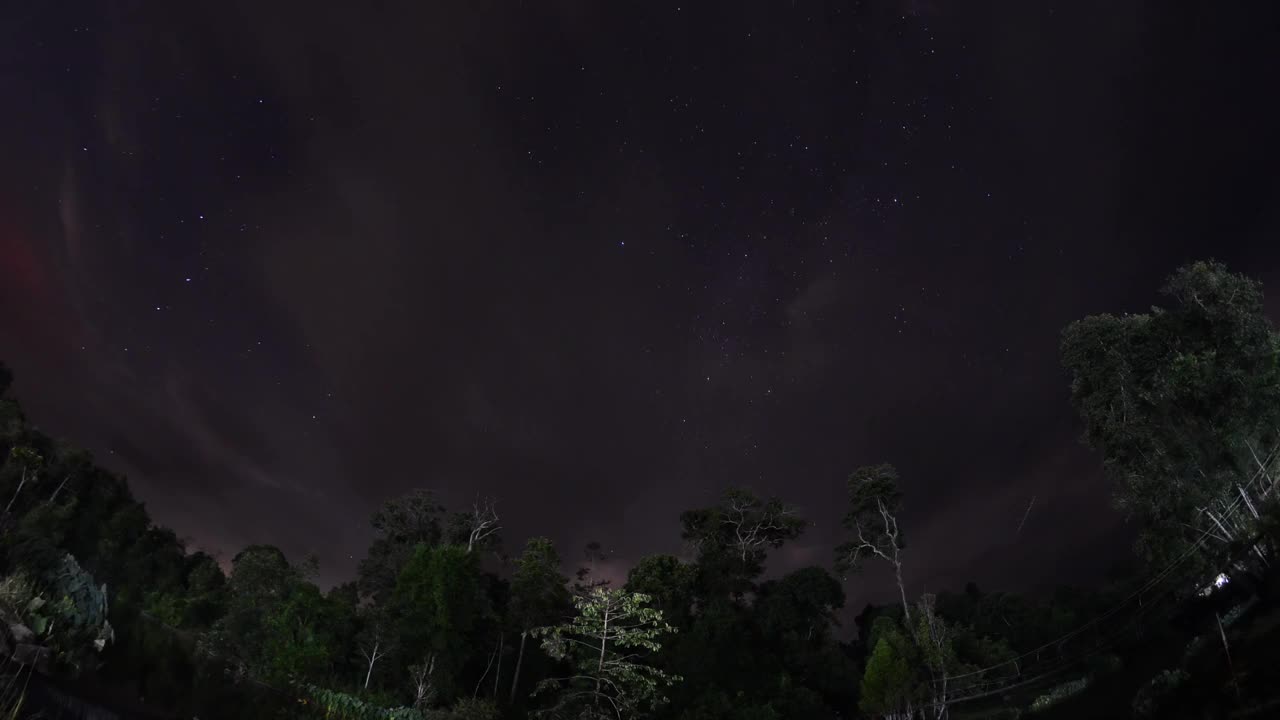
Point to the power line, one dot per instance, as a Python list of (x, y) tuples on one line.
[(1230, 512)]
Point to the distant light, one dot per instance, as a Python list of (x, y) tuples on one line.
[(1221, 580)]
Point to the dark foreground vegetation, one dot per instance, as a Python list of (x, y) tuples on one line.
[(108, 614)]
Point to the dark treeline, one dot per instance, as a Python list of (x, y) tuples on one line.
[(449, 619)]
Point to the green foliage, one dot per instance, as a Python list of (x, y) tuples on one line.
[(399, 527), (335, 705), (670, 582), (1179, 400), (342, 706), (439, 604), (800, 605), (299, 636), (538, 590), (1058, 694), (889, 683), (66, 611), (264, 594), (84, 601), (472, 709), (1148, 700), (603, 645), (733, 538)]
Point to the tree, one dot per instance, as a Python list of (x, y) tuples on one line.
[(935, 639), (298, 637), (601, 645), (669, 582), (874, 503), (890, 688), (439, 604), (802, 605), (1184, 404), (538, 594), (399, 527), (262, 580), (206, 589), (733, 538)]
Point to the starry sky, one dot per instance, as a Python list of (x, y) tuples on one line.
[(280, 262)]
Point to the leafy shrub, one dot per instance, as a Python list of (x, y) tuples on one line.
[(66, 614), (343, 706), (1234, 614), (1147, 701), (1058, 694)]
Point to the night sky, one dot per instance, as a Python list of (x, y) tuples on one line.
[(601, 260)]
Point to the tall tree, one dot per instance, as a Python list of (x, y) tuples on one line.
[(733, 538), (602, 645), (299, 637), (801, 605), (206, 591), (890, 688), (262, 580), (399, 526), (439, 605), (538, 595), (670, 583), (1184, 404), (874, 503)]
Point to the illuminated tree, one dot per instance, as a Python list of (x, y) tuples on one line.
[(890, 688), (603, 646)]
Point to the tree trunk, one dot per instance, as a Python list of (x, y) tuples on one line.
[(21, 482), (372, 659), (515, 680), (58, 489), (902, 590), (604, 638), (497, 674), (480, 682)]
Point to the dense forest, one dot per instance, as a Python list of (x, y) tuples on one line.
[(449, 619)]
